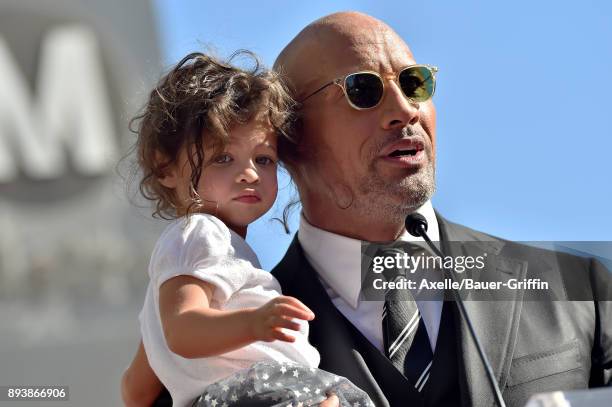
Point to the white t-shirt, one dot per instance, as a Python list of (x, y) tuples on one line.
[(203, 247)]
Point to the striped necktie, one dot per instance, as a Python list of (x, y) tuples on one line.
[(405, 337)]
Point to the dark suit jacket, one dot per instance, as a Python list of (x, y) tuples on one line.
[(533, 346)]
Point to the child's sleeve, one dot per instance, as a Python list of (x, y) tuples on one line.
[(200, 247)]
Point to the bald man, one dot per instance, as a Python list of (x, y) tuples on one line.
[(362, 160), (344, 187)]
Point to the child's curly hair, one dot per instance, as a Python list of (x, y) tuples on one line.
[(202, 95)]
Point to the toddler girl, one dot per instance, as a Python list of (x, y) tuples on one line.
[(215, 329)]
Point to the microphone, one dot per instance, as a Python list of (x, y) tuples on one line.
[(416, 225)]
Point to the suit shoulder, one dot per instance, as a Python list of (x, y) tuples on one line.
[(541, 250), (290, 264)]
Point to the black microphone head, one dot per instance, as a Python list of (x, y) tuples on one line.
[(416, 224)]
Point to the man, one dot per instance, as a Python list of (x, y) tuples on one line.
[(364, 159)]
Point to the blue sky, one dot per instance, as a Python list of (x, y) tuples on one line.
[(524, 102)]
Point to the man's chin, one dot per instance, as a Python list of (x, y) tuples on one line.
[(396, 202), (411, 193), (398, 193)]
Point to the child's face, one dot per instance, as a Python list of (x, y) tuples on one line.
[(239, 185)]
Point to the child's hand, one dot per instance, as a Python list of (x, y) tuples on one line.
[(276, 314)]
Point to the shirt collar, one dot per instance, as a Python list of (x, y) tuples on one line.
[(337, 258)]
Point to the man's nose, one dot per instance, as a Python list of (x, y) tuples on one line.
[(398, 111), (248, 175)]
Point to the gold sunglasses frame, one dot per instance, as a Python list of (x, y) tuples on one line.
[(342, 83)]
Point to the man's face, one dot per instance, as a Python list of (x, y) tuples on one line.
[(362, 151)]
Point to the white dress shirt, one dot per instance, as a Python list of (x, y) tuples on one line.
[(337, 260)]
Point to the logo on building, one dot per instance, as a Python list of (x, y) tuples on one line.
[(65, 119)]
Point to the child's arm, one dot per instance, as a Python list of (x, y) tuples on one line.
[(194, 330), (139, 384)]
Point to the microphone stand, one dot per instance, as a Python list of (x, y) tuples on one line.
[(416, 225)]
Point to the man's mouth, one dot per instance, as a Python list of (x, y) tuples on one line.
[(408, 152), (401, 153)]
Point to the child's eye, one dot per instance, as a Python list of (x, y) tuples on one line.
[(264, 160), (222, 159)]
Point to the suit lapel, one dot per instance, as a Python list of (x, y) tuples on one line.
[(496, 322), (344, 350)]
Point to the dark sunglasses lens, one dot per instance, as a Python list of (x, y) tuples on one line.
[(364, 90), (417, 83)]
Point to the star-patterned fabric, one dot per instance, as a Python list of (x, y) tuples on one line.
[(272, 384)]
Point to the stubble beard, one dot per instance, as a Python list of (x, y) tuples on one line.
[(393, 200)]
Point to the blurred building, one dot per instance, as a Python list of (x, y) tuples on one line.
[(73, 248)]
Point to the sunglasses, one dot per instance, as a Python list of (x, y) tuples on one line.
[(365, 89)]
